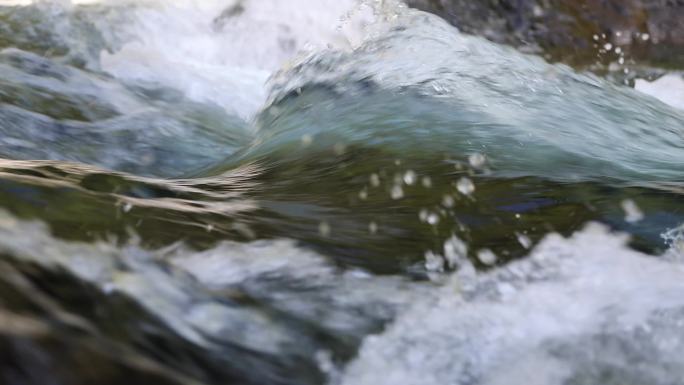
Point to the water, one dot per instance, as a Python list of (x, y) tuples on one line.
[(332, 192)]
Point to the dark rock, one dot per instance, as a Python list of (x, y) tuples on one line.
[(575, 31)]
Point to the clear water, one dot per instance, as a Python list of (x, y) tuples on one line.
[(330, 192)]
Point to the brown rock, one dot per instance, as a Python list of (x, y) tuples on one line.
[(577, 32)]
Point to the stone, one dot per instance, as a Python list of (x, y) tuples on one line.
[(576, 32)]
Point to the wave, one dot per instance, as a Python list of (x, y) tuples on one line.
[(424, 83)]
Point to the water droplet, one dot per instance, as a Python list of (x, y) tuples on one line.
[(410, 177), (487, 257), (423, 215), (645, 37), (324, 229), (374, 180), (127, 207), (433, 219), (538, 11), (427, 182), (363, 194), (397, 192), (633, 213), (608, 46), (465, 186), (307, 140), (448, 201), (524, 240), (373, 227), (477, 161)]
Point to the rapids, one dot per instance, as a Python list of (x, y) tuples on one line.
[(340, 192)]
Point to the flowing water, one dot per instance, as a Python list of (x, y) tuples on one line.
[(338, 192)]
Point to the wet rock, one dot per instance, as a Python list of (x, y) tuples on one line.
[(581, 33), (54, 360)]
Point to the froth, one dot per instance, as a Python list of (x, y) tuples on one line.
[(223, 51), (558, 316)]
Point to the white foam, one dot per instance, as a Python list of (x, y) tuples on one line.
[(668, 89), (223, 51), (537, 321)]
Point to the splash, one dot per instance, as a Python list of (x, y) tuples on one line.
[(583, 310)]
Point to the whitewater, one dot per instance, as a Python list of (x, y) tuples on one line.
[(331, 191)]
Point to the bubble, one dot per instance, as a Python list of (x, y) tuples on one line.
[(363, 194), (645, 37), (608, 46), (448, 201), (427, 182), (465, 186)]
